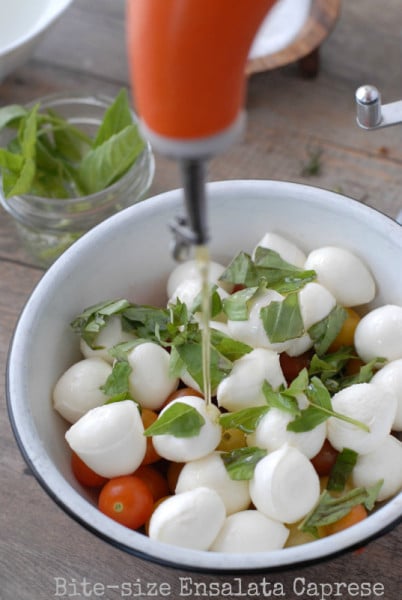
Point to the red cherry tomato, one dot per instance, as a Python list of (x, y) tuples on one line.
[(127, 500), (84, 474), (325, 459), (154, 479)]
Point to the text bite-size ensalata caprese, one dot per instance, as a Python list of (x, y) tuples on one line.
[(301, 438)]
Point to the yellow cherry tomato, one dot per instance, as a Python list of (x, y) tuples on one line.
[(232, 439), (346, 335)]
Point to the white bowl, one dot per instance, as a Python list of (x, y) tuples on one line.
[(22, 26), (127, 256)]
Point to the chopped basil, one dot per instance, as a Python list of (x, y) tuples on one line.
[(246, 419), (236, 306), (190, 354), (329, 367), (241, 271), (342, 469), (215, 303), (90, 322), (282, 320), (330, 509), (240, 462), (279, 274), (227, 346), (283, 400), (179, 420), (269, 266), (117, 382), (325, 331), (147, 322)]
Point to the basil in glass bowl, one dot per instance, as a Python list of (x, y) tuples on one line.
[(67, 163)]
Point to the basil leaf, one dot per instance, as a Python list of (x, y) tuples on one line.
[(179, 420), (282, 320), (9, 115), (190, 354), (16, 184), (215, 303), (55, 159), (90, 322), (227, 346), (116, 118), (299, 384), (117, 382), (240, 462), (280, 400), (246, 419), (241, 271), (330, 365), (236, 306), (270, 259), (104, 164), (325, 331), (330, 509), (342, 469), (147, 322), (278, 273), (372, 494), (10, 161)]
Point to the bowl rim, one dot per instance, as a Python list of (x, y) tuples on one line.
[(52, 13), (137, 544)]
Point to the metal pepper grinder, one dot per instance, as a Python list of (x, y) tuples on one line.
[(371, 114)]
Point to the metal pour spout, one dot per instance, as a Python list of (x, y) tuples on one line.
[(371, 114)]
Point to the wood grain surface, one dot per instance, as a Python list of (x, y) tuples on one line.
[(43, 553)]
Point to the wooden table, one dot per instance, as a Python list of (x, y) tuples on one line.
[(290, 120)]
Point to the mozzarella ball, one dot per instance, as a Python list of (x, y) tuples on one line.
[(190, 520), (385, 462), (252, 331), (343, 273), (78, 389), (369, 404), (315, 302), (211, 472), (190, 270), (271, 432), (183, 449), (379, 334), (287, 250), (109, 439), (150, 382), (285, 485), (390, 378), (243, 387), (250, 531), (110, 335)]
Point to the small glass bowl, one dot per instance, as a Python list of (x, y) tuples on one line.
[(48, 226)]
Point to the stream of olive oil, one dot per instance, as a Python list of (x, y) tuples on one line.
[(202, 258)]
